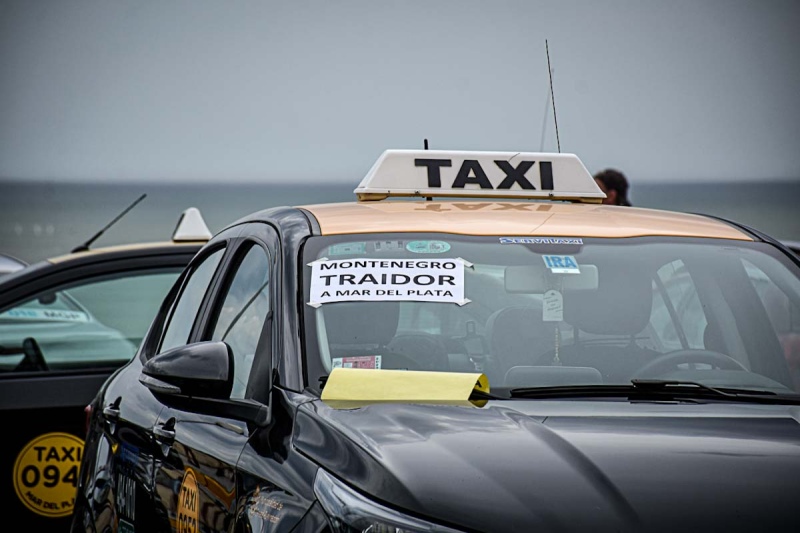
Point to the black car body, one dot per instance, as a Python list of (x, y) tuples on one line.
[(569, 367), (66, 324)]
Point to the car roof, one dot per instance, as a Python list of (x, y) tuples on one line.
[(515, 218), (190, 231), (499, 193), (159, 247)]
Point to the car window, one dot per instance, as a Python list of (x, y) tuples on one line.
[(184, 311), (242, 314), (784, 316), (92, 323)]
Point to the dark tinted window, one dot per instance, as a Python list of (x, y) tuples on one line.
[(243, 312), (93, 323), (184, 311)]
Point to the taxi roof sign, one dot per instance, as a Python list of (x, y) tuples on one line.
[(525, 175), (191, 227)]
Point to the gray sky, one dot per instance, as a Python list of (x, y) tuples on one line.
[(305, 91)]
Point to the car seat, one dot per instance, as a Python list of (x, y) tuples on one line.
[(368, 328), (609, 318), (517, 336)]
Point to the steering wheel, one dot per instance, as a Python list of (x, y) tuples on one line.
[(669, 361)]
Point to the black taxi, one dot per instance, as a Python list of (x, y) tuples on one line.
[(66, 324), (475, 344)]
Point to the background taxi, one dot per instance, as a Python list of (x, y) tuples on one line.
[(519, 358), (66, 324)]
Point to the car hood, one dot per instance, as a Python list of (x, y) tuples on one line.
[(568, 465)]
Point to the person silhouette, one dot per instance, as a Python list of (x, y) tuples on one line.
[(615, 185)]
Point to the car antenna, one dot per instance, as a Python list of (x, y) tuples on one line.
[(544, 121), (425, 145), (85, 246), (552, 95)]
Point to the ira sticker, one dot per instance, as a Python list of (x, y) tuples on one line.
[(561, 264), (428, 247), (552, 306), (358, 361), (413, 280)]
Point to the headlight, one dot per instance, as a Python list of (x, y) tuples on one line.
[(351, 512)]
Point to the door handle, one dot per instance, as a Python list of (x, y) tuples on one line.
[(111, 412), (166, 431)]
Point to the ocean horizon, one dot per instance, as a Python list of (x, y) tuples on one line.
[(45, 219)]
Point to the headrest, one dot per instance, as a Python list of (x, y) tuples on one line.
[(621, 305), (519, 331), (361, 322)]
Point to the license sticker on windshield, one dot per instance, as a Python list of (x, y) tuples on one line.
[(347, 248), (561, 264), (416, 280), (428, 247), (357, 361)]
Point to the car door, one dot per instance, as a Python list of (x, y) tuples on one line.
[(195, 480), (121, 462), (62, 333)]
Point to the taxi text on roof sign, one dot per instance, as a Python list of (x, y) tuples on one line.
[(428, 173)]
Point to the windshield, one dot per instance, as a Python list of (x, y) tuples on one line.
[(543, 312)]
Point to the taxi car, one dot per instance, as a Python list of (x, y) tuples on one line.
[(474, 344), (66, 324)]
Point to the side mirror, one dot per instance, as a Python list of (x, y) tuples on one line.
[(199, 377), (203, 369)]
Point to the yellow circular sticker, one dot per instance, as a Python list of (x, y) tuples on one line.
[(46, 473), (187, 504)]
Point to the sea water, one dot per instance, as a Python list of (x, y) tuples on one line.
[(45, 219)]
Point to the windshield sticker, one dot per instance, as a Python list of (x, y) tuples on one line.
[(541, 240), (428, 247), (46, 314), (388, 246), (416, 280), (188, 504), (348, 248), (552, 306), (561, 264), (358, 361), (45, 471)]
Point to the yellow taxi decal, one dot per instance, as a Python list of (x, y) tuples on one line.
[(354, 387), (188, 504), (46, 473)]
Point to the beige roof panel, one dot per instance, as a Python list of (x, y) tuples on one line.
[(515, 218)]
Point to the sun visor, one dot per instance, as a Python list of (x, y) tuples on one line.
[(357, 387), (534, 279)]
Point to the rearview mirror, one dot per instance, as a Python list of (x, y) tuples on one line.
[(532, 279)]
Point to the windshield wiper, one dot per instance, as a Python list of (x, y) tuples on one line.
[(656, 389), (673, 385)]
